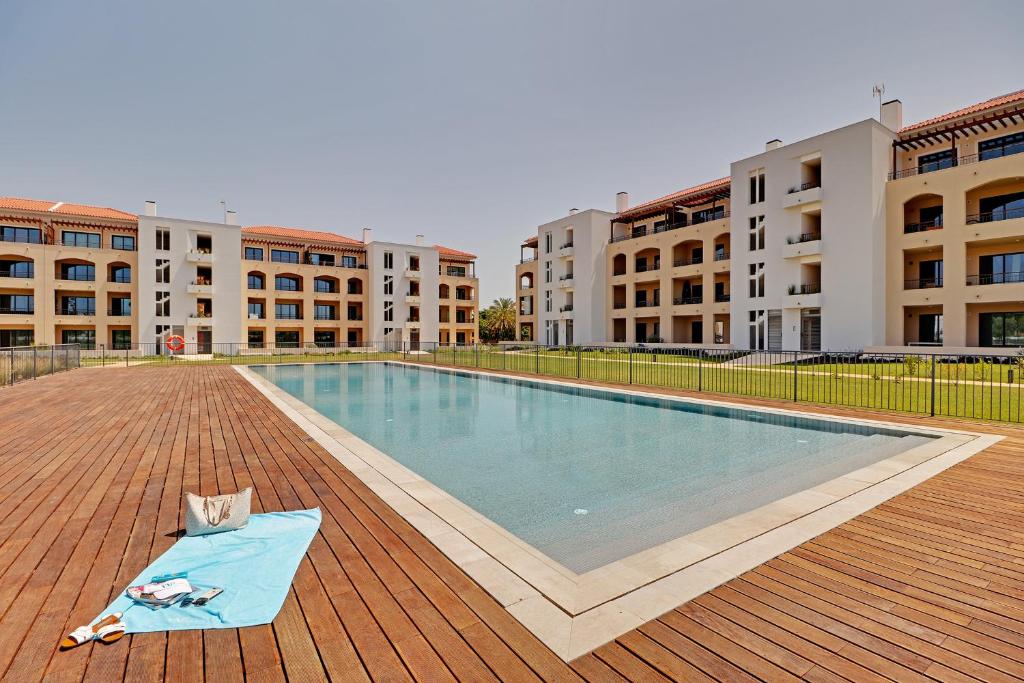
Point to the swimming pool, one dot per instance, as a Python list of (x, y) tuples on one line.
[(587, 477)]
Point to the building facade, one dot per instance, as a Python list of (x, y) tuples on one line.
[(872, 236), (105, 278)]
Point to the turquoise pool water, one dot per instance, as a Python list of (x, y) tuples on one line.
[(586, 476)]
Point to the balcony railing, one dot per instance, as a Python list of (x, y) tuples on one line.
[(645, 268), (722, 256), (995, 278), (118, 312), (567, 276), (923, 226), (804, 237), (325, 316), (922, 283), (566, 308), (280, 315), (804, 186), (722, 298), (688, 300), (695, 220), (647, 304), (619, 305), (566, 245), (996, 215), (355, 317), (73, 310), (76, 277), (992, 153), (692, 261), (527, 259), (17, 272), (806, 288), (287, 288), (16, 310)]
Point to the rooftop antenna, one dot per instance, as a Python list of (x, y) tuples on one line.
[(878, 90), (224, 207)]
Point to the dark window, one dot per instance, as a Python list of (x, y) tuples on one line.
[(1001, 329), (16, 338), (122, 274), (253, 254), (926, 163), (324, 286), (13, 234), (120, 339), (256, 281), (457, 271), (930, 273), (77, 305), (324, 338), (320, 259), (753, 189), (84, 338), (931, 216), (256, 310), (17, 269), (1002, 208), (1001, 147), (323, 312), (81, 239), (282, 256), (349, 261), (256, 339), (288, 339), (1000, 268), (17, 303), (929, 328), (124, 243), (704, 215), (283, 283), (760, 186), (78, 271), (121, 306), (286, 311)]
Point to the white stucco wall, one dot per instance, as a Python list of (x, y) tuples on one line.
[(429, 279)]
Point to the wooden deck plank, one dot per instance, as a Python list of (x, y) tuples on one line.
[(927, 586)]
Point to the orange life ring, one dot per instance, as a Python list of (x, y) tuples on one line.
[(175, 343)]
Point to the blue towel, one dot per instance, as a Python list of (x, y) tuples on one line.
[(254, 565)]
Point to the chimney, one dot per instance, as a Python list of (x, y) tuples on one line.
[(892, 115), (230, 217), (150, 207), (573, 212), (621, 202), (772, 144), (367, 235), (419, 240)]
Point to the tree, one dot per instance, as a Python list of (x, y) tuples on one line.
[(498, 321)]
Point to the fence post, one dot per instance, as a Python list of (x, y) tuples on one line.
[(536, 360), (795, 354), (103, 355), (126, 355), (630, 364), (477, 348), (933, 387), (700, 369), (579, 363), (53, 359), (12, 366), (35, 353)]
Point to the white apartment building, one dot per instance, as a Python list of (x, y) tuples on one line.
[(189, 280), (404, 281), (570, 276)]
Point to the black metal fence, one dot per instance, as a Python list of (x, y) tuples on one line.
[(925, 383), (18, 363)]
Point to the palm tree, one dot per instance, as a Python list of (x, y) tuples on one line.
[(498, 321)]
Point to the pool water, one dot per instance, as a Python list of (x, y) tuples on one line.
[(585, 476)]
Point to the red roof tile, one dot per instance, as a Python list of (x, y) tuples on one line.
[(83, 210), (298, 234), (447, 251), (993, 103), (530, 241), (695, 190)]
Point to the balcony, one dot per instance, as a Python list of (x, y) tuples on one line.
[(74, 311), (924, 283), (326, 316), (619, 305), (412, 299), (565, 250), (807, 295), (196, 256), (355, 317), (199, 320), (565, 282), (412, 273), (692, 261), (923, 226), (805, 247), (1002, 214), (993, 153), (200, 287), (696, 219), (802, 195), (688, 300), (994, 279), (118, 313), (287, 315), (647, 304), (566, 311), (7, 310), (527, 259), (722, 256), (412, 323), (722, 298)]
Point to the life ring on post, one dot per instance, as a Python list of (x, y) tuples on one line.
[(175, 343)]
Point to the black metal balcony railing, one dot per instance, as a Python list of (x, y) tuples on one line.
[(355, 317), (646, 304), (77, 277), (619, 305), (618, 272), (722, 298), (121, 280), (933, 224), (17, 272), (804, 186), (325, 316), (804, 237), (806, 288), (203, 282), (412, 319), (688, 300), (325, 290), (566, 308), (527, 259), (17, 310), (118, 312), (692, 261), (922, 283), (995, 278), (722, 256), (566, 245), (567, 276), (281, 315), (985, 155), (996, 215), (647, 268), (73, 310), (695, 220), (288, 288)]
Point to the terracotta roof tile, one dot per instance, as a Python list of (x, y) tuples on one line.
[(530, 241), (447, 251), (62, 208), (695, 190), (298, 234), (993, 103)]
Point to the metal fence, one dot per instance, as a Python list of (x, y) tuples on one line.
[(924, 383), (18, 363)]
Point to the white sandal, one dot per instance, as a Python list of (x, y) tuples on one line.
[(109, 629)]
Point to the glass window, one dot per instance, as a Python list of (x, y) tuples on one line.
[(256, 339), (17, 269), (389, 260), (80, 239), (926, 163), (256, 281), (457, 271), (122, 274), (286, 311), (17, 303), (1001, 329), (78, 271), (253, 254), (124, 243), (1000, 268), (120, 339), (10, 233), (78, 305), (163, 240), (1003, 207), (349, 261), (284, 283), (84, 338), (16, 338), (323, 286), (320, 259), (389, 285), (323, 312), (1001, 147), (121, 306), (256, 310), (283, 256), (287, 339), (324, 338)]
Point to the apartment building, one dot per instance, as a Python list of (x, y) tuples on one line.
[(101, 277), (872, 236)]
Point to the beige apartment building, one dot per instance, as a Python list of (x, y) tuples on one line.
[(874, 236), (71, 273)]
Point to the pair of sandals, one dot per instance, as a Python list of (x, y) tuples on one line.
[(109, 629)]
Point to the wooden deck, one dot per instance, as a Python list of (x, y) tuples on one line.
[(929, 586)]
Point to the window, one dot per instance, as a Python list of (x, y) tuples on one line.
[(547, 271), (1000, 268), (163, 271), (121, 274), (324, 312), (354, 313), (756, 328), (389, 285), (926, 163), (324, 338), (257, 311), (78, 271), (320, 259), (710, 214), (254, 254), (120, 340), (756, 232), (16, 338), (324, 286), (349, 262), (757, 187), (1001, 329), (287, 311), (547, 243), (389, 260), (1001, 208), (1001, 147), (414, 262), (256, 339), (120, 306), (388, 331), (457, 271), (284, 256), (287, 339), (17, 303), (547, 301), (84, 338), (163, 304), (756, 279), (285, 283), (389, 311), (929, 328), (256, 281), (80, 239), (122, 242), (77, 305), (10, 233), (163, 240), (17, 269)]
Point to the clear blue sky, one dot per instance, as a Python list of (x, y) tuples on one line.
[(471, 122)]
